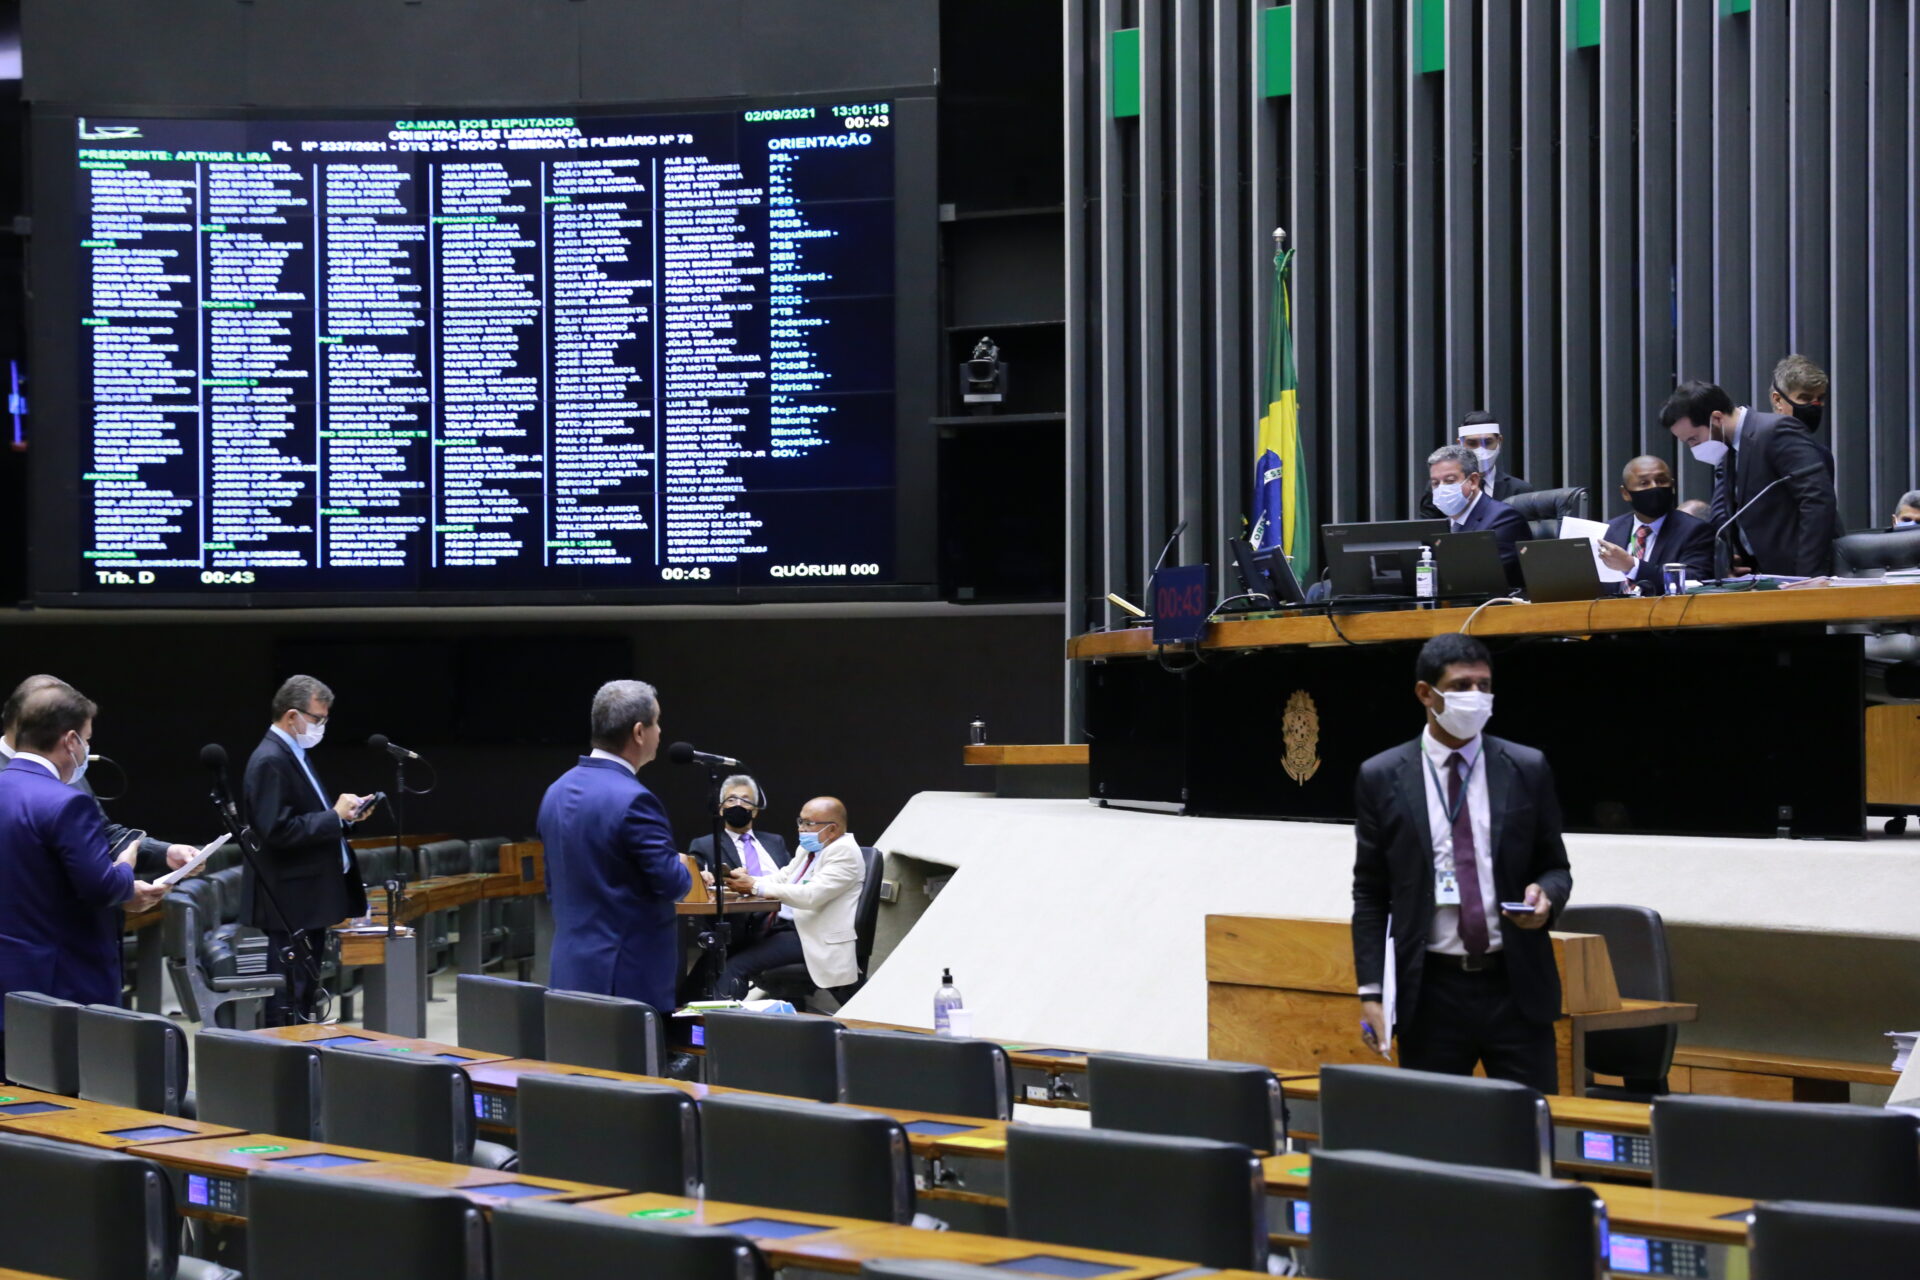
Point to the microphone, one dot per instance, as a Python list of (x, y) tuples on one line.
[(1171, 539), (1722, 554), (379, 742), (213, 757), (683, 753)]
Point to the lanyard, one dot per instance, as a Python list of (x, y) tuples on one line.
[(1453, 810)]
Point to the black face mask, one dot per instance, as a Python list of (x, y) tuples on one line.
[(1808, 414), (737, 816), (1652, 503)]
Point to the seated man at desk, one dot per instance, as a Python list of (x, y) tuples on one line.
[(1456, 487), (760, 853), (819, 896), (1480, 433), (1906, 512), (1654, 533)]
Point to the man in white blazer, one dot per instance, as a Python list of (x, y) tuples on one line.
[(819, 895)]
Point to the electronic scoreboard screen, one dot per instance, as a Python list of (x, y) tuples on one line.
[(585, 355)]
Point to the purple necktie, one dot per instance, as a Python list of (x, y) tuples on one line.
[(752, 852), (1466, 869)]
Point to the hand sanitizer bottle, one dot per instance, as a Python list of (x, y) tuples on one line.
[(945, 1001)]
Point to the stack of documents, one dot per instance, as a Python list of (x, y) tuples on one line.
[(1902, 1047)]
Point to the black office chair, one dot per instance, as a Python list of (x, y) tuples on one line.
[(608, 1032), (533, 1241), (609, 1133), (791, 981), (257, 1083), (43, 1043), (1871, 552), (130, 1059), (1831, 1153), (1184, 1098), (413, 1106), (1380, 1215), (791, 1054), (1543, 508), (1188, 1198), (500, 1015), (912, 1072), (301, 1227), (1791, 1240), (81, 1213), (1643, 969), (806, 1156), (218, 999), (1457, 1119), (443, 858)]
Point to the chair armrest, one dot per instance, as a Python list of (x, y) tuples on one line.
[(263, 983)]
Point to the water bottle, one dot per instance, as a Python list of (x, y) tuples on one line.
[(1423, 578), (945, 1001), (977, 732)]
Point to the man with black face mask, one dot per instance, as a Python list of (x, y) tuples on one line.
[(1800, 391), (1655, 533)]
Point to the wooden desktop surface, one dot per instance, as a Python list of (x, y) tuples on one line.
[(115, 1128), (320, 1033), (1025, 754), (1586, 617), (1601, 1113), (1760, 1062)]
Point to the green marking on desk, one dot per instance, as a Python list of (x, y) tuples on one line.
[(255, 1151), (661, 1213)]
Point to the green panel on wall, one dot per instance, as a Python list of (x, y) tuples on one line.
[(1123, 65), (1430, 35), (1583, 17), (1276, 51), (1730, 7)]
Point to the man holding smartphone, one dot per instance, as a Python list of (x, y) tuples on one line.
[(312, 879), (1457, 843)]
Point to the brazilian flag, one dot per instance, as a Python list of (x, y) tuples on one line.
[(1282, 496)]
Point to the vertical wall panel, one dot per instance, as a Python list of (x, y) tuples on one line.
[(1152, 372), (1769, 141), (1187, 250), (1386, 405), (1617, 236), (1460, 247), (1340, 391), (1229, 317), (1498, 344), (1697, 109), (1844, 350), (1539, 233), (1654, 208), (1579, 321), (1424, 320)]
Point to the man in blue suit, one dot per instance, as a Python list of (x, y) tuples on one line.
[(1457, 489), (1655, 532), (612, 869), (61, 887)]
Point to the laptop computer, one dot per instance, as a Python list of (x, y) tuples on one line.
[(1557, 569), (1468, 566)]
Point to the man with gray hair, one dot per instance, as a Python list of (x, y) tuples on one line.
[(1455, 485), (612, 868), (1906, 512)]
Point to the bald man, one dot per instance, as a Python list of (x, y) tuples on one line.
[(819, 895), (1655, 532)]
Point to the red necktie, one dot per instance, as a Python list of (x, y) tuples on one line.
[(1640, 538), (1466, 869)]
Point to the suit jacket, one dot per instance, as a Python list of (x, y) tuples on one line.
[(1510, 529), (772, 849), (614, 876), (1683, 539), (1791, 530), (1393, 868), (301, 838), (60, 891), (1504, 487), (824, 892), (152, 861)]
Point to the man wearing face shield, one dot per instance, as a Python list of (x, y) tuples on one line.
[(62, 887), (1458, 493), (1800, 391), (1457, 841), (1481, 434)]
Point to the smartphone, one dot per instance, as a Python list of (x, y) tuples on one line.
[(1524, 908), (366, 806)]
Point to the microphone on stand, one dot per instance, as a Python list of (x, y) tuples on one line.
[(1168, 548), (1722, 553), (380, 742), (683, 753)]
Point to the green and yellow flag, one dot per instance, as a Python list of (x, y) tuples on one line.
[(1282, 495)]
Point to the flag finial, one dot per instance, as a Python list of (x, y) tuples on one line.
[(1279, 238)]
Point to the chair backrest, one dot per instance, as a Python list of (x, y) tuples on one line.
[(1448, 1221), (499, 1015), (608, 1032), (300, 1226), (229, 883), (913, 1072), (806, 1156), (866, 917), (1456, 1119), (1184, 1098), (785, 1053), (1791, 1240), (444, 858), (1832, 1153), (486, 852), (533, 1241), (1865, 555), (130, 1059), (1543, 508), (1189, 1198), (378, 865), (414, 1106), (128, 1228), (257, 1083), (1643, 969), (610, 1133), (43, 1042)]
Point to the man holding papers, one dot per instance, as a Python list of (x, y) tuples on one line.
[(1654, 533)]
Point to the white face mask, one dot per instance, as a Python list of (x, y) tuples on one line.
[(1451, 499), (310, 737), (1487, 457), (1906, 524), (1709, 452), (1465, 712), (80, 770)]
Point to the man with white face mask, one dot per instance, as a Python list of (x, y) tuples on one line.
[(1458, 492), (1482, 434), (1457, 841)]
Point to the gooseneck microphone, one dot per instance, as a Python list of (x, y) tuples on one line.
[(380, 742), (1722, 551), (683, 753), (1168, 548)]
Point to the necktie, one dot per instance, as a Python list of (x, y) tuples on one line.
[(751, 852), (1466, 868), (1721, 506), (1640, 540)]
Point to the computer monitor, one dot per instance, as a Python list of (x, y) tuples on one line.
[(1265, 573), (1378, 559)]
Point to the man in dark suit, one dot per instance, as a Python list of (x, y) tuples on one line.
[(1454, 482), (311, 878), (1791, 527), (61, 887), (612, 868), (1480, 433), (746, 848), (1448, 830), (1655, 533)]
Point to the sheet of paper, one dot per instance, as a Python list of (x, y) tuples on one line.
[(1906, 1091), (1389, 989), (194, 863), (1593, 531)]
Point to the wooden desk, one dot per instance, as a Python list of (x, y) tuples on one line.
[(1778, 1077), (112, 1128), (1025, 754), (331, 1035), (16, 1101), (735, 907)]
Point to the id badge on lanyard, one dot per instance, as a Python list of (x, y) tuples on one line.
[(1446, 884)]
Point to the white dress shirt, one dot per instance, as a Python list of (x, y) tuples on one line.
[(622, 761), (1444, 935)]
